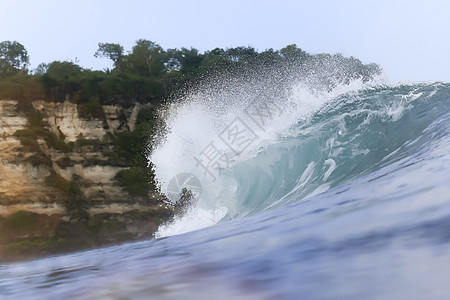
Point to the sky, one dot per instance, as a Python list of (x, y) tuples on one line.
[(410, 39)]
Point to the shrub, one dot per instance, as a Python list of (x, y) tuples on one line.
[(136, 181), (92, 108), (21, 219), (36, 245), (58, 182), (28, 139), (55, 142)]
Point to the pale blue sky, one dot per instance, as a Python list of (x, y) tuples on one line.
[(409, 39)]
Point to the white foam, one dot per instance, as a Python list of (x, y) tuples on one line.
[(195, 219)]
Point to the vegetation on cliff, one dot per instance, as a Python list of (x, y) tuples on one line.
[(147, 73)]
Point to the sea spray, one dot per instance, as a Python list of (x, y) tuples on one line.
[(234, 119)]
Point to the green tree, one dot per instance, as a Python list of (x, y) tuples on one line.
[(241, 54), (216, 59), (269, 57), (190, 60), (41, 69), (112, 51), (61, 71), (292, 53), (13, 57), (171, 60), (62, 79), (146, 58)]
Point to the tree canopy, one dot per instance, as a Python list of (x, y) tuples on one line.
[(111, 51), (13, 57), (149, 73)]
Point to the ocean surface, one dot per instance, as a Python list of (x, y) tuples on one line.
[(299, 194)]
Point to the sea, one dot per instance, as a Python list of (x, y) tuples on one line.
[(298, 192)]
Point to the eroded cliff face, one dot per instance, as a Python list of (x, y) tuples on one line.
[(64, 118), (21, 183), (29, 176)]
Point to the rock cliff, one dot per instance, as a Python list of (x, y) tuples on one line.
[(58, 175)]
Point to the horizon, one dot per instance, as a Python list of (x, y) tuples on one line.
[(406, 38)]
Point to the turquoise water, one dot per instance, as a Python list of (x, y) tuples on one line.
[(350, 201)]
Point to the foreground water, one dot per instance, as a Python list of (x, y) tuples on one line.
[(352, 202)]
